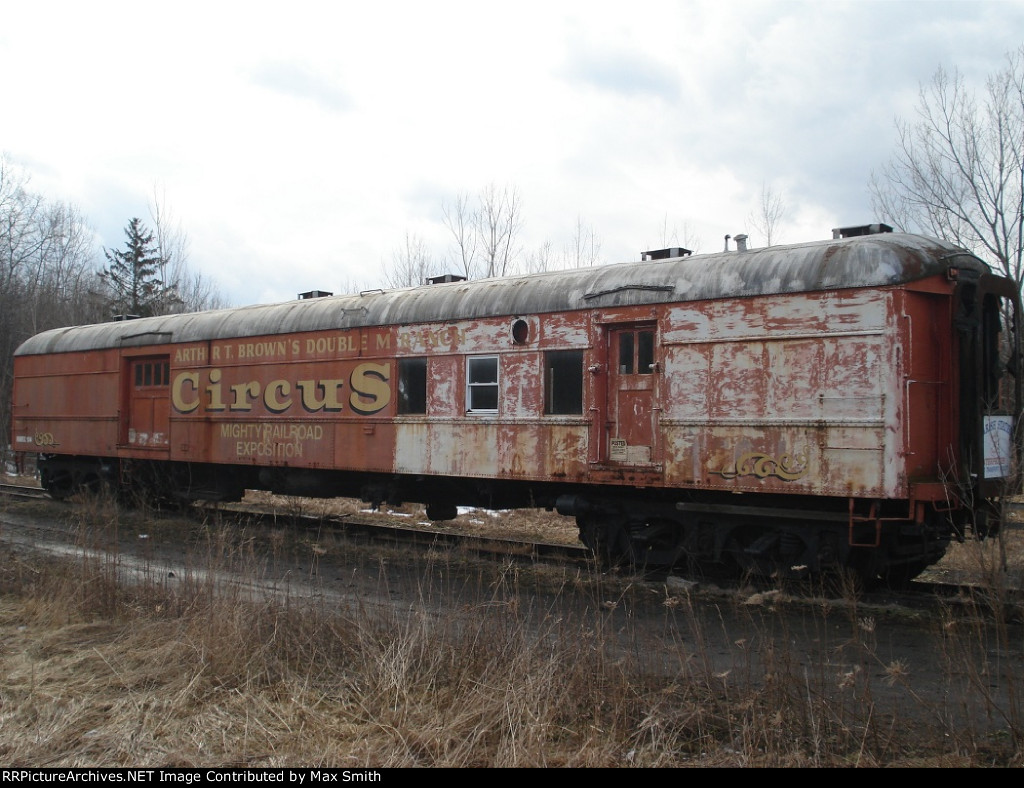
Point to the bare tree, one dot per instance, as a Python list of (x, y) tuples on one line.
[(485, 239), (198, 292), (411, 264), (195, 292), (958, 171), (62, 278), (171, 247), (47, 264), (541, 260), (498, 225), (770, 212), (584, 248), (461, 221), (675, 236), (19, 213)]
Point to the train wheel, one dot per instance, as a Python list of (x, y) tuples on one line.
[(656, 544), (898, 577), (751, 552), (861, 571), (879, 568), (606, 539), (92, 484), (914, 559), (439, 512), (58, 482)]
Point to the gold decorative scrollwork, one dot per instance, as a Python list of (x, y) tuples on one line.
[(788, 467)]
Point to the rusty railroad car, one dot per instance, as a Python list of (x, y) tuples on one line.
[(847, 403)]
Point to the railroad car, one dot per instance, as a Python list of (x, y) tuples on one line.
[(850, 403)]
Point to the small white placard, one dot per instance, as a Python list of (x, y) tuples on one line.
[(998, 438)]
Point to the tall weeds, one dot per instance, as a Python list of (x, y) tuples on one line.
[(240, 656)]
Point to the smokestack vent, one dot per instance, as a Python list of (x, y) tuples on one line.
[(440, 280), (665, 254), (741, 242), (862, 229)]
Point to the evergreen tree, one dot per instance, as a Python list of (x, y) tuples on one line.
[(133, 275)]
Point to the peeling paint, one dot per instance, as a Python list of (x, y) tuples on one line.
[(782, 371)]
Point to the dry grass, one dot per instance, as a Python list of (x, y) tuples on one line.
[(102, 670), (528, 524), (1006, 548)]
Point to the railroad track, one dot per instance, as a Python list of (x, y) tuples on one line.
[(375, 530), (393, 532), (920, 591), (367, 528), (22, 492)]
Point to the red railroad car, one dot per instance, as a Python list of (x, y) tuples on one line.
[(849, 403)]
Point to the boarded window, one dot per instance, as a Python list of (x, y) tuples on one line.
[(563, 382), (412, 385)]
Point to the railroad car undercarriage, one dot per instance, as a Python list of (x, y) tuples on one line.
[(629, 529)]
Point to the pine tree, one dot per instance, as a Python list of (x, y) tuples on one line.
[(134, 275)]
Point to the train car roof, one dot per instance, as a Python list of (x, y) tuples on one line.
[(862, 261)]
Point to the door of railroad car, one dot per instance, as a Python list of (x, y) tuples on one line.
[(631, 426), (988, 322), (148, 422)]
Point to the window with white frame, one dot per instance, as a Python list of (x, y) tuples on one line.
[(482, 384)]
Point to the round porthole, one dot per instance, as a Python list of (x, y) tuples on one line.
[(520, 332)]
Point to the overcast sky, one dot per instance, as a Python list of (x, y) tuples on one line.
[(298, 143)]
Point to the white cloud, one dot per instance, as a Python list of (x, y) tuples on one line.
[(297, 144)]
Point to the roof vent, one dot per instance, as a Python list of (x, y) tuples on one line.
[(741, 242), (314, 294), (863, 229), (443, 278), (665, 254)]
